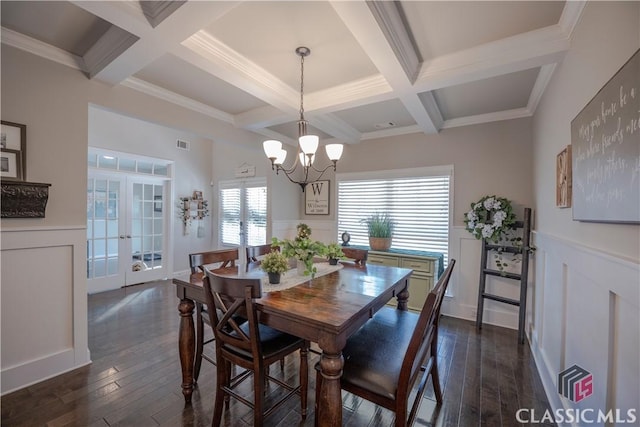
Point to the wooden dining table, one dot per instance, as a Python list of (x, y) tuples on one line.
[(325, 310)]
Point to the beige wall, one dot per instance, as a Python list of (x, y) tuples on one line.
[(51, 100), (493, 158), (607, 35)]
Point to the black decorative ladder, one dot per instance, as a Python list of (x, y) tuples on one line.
[(525, 249)]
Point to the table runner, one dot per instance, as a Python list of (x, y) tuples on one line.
[(291, 278)]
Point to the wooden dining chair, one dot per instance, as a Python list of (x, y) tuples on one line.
[(251, 345), (255, 252), (197, 262), (394, 351), (359, 256)]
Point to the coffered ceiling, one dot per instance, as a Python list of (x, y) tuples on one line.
[(376, 68)]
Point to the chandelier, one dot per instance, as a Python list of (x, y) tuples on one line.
[(307, 144)]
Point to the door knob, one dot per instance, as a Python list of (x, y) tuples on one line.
[(121, 236)]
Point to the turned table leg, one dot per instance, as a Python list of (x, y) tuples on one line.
[(403, 297), (186, 346), (330, 400)]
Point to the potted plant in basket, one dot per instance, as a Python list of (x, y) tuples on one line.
[(275, 264), (334, 253), (380, 226), (302, 248)]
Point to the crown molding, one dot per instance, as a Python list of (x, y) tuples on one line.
[(544, 76), (516, 113), (44, 50), (387, 133), (183, 101)]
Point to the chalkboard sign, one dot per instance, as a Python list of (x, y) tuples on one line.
[(605, 138)]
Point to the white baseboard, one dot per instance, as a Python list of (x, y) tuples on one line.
[(35, 371)]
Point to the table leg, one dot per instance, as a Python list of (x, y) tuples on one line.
[(330, 400), (186, 346), (403, 297)]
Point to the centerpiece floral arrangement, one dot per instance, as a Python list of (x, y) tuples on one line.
[(492, 218), (274, 264), (302, 248)]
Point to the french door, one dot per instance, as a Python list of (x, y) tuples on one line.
[(242, 211), (126, 230)]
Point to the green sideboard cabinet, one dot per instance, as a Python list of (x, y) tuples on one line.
[(425, 273)]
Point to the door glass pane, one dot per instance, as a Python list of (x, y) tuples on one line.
[(145, 167), (112, 228), (102, 234), (127, 165), (112, 266), (142, 226)]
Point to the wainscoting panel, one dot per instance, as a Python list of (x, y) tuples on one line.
[(44, 304), (587, 313)]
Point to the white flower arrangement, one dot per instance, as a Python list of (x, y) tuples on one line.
[(490, 218)]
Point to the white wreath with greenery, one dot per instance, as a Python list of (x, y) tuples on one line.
[(490, 218)]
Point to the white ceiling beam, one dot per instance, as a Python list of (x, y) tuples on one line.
[(186, 20), (364, 26), (157, 11), (546, 71), (211, 55), (393, 27), (336, 127), (521, 52)]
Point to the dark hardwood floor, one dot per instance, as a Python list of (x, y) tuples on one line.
[(134, 379)]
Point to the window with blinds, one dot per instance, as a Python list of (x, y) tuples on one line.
[(243, 212), (419, 204)]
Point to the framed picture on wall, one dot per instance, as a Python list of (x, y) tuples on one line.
[(563, 178), (316, 199), (10, 165), (13, 137)]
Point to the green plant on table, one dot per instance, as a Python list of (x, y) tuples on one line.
[(274, 262), (334, 251), (302, 248)]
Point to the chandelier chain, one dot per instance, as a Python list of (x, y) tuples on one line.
[(301, 87)]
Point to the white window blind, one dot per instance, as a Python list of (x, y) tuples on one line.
[(230, 216), (418, 204), (256, 216), (243, 212)]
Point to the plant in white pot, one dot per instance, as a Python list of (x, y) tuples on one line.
[(275, 264), (380, 226)]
